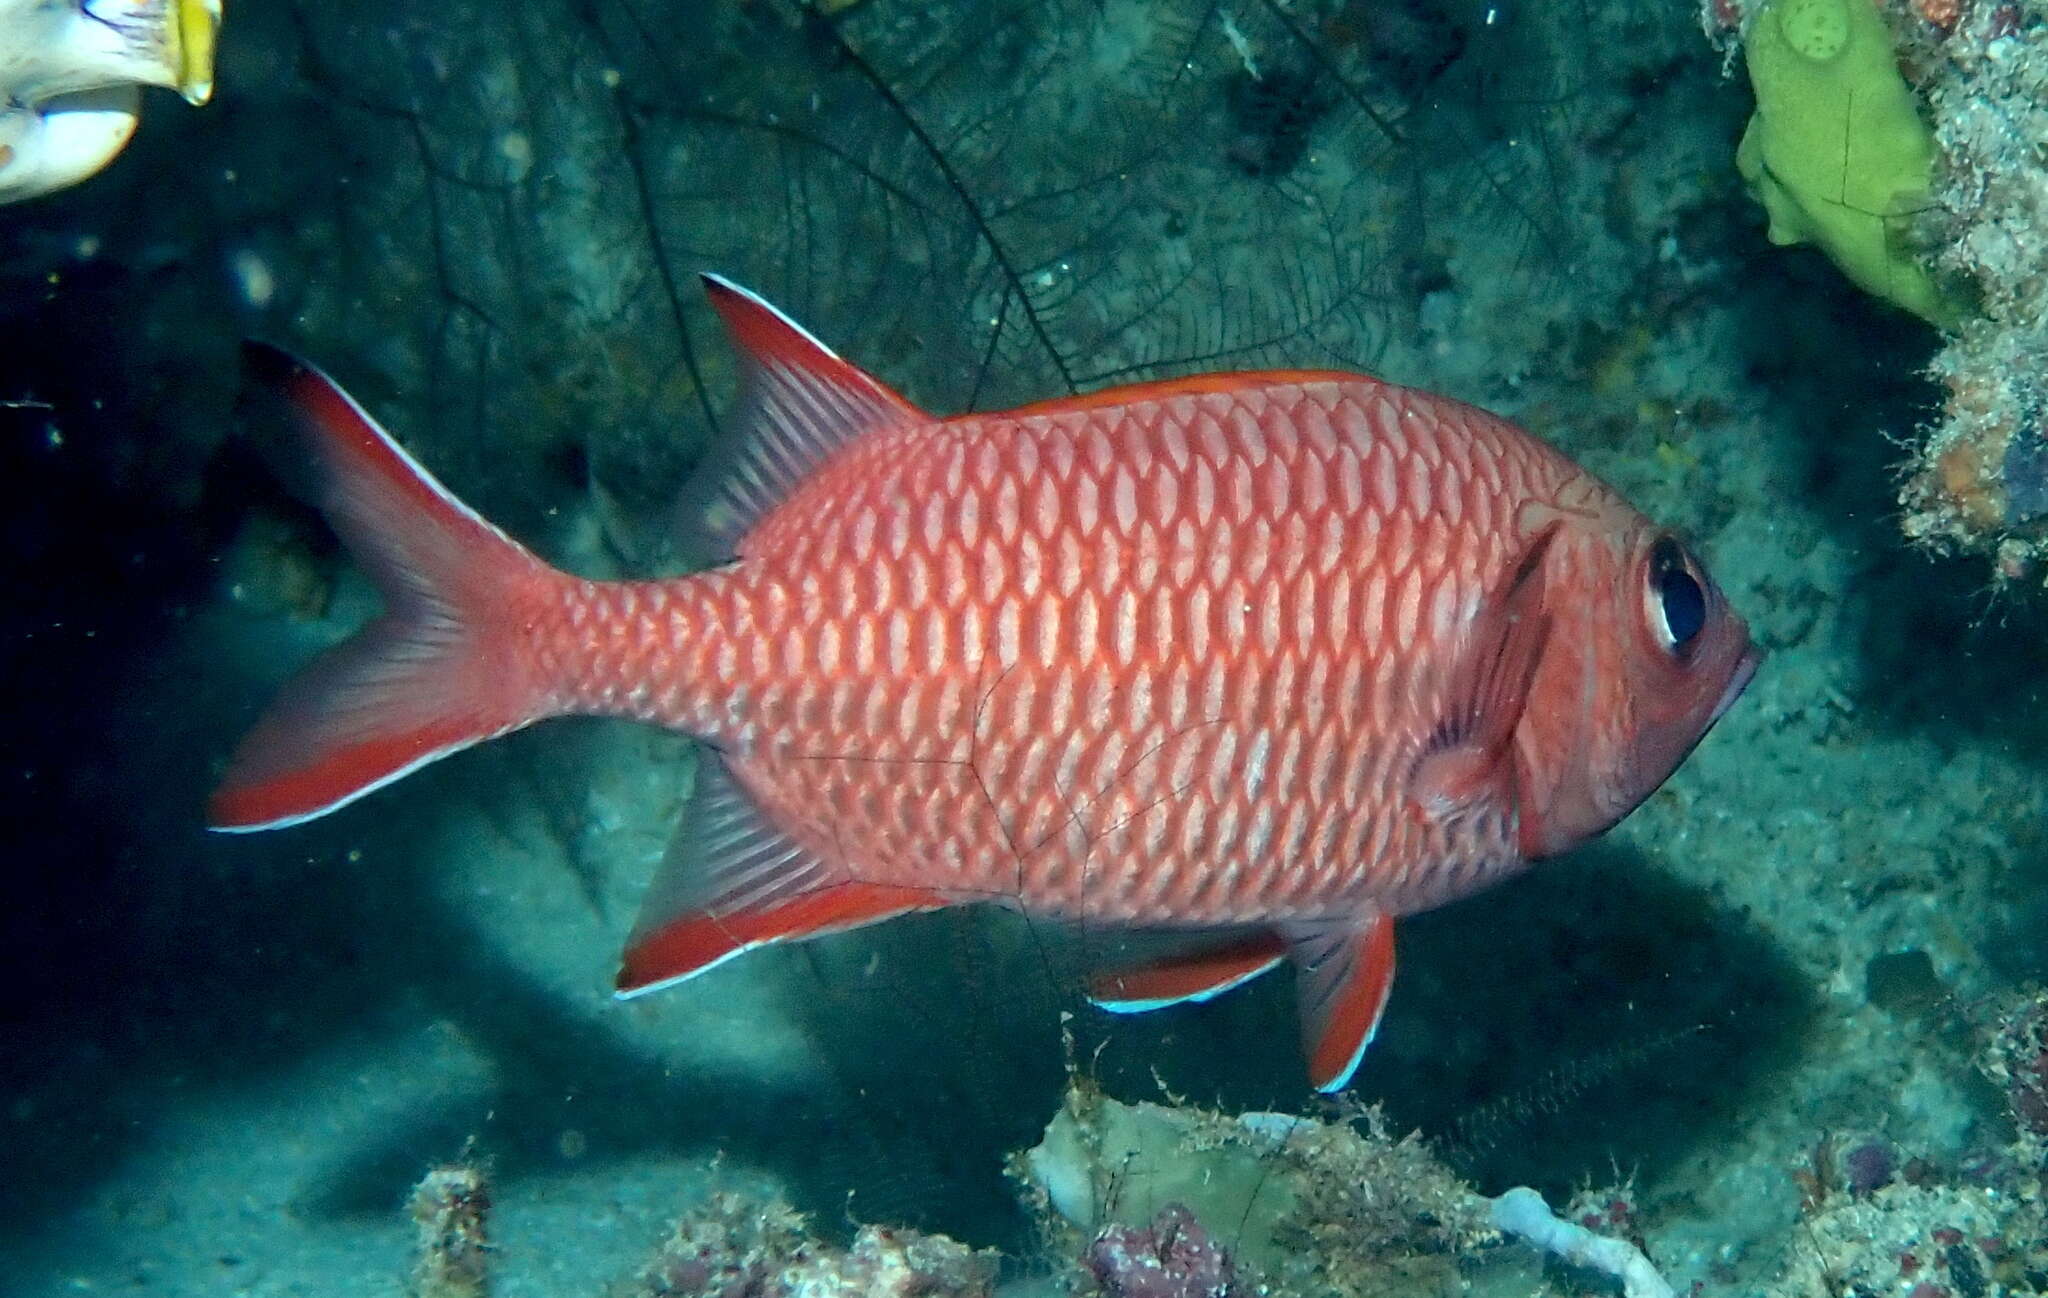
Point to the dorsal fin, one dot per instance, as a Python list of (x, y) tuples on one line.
[(799, 403)]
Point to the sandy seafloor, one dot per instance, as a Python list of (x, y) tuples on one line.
[(223, 1060)]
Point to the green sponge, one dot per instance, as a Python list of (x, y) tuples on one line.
[(1837, 153)]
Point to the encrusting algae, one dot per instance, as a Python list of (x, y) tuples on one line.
[(451, 1207)]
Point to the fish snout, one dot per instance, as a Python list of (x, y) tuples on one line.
[(1745, 671)]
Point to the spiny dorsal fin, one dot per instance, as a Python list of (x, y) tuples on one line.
[(799, 404)]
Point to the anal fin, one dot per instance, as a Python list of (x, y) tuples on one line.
[(691, 944), (732, 881), (1188, 975), (1342, 973)]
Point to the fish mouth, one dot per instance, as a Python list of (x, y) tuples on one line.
[(1745, 670)]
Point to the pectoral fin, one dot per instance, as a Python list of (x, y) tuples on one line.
[(1469, 762)]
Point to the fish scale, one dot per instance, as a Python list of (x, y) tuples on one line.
[(1252, 663)]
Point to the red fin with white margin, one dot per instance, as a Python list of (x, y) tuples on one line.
[(1342, 974), (731, 882), (441, 669), (1470, 758), (799, 404), (1187, 976)]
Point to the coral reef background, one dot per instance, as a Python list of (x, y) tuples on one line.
[(223, 1062)]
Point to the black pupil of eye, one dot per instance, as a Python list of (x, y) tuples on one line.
[(1683, 603)]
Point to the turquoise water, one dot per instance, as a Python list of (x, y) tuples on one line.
[(226, 1060)]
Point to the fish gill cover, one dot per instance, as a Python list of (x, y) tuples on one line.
[(228, 1060)]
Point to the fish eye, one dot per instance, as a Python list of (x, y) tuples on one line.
[(1676, 597)]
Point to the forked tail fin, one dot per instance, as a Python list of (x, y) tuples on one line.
[(444, 667)]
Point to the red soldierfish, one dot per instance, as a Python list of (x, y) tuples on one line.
[(1261, 660)]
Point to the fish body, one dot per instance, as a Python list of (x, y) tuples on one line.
[(69, 77), (1263, 661)]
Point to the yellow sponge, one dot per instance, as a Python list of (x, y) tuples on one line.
[(1837, 153)]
